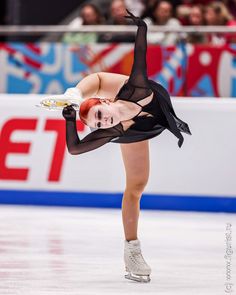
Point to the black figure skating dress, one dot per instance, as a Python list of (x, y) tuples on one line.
[(135, 89)]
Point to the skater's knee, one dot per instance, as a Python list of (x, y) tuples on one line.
[(135, 189), (136, 183)]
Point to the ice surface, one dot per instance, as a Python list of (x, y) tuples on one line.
[(46, 250)]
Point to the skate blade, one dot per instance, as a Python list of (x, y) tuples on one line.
[(138, 278), (57, 104)]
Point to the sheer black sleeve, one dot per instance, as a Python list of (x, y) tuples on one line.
[(90, 142), (138, 76), (137, 86)]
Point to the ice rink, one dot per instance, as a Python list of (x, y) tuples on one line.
[(53, 250)]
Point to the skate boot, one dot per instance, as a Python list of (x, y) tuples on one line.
[(137, 268)]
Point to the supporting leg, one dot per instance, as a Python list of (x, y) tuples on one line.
[(136, 162)]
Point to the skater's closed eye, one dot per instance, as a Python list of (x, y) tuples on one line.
[(99, 115)]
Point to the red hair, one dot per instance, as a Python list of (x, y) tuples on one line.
[(86, 106)]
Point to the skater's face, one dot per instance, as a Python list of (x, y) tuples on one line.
[(103, 115)]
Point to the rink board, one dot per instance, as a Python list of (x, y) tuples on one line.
[(35, 167), (114, 200)]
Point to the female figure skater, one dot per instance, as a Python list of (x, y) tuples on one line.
[(136, 110)]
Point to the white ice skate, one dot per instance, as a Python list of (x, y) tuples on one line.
[(137, 268), (58, 102)]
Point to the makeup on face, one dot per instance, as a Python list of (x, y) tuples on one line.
[(99, 116)]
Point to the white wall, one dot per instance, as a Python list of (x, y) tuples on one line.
[(204, 165)]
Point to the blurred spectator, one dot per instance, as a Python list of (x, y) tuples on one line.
[(149, 4), (183, 10), (117, 13), (148, 8), (89, 15), (162, 15), (217, 14), (103, 5), (196, 18), (163, 12), (231, 4)]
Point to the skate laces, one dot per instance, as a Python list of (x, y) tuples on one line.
[(135, 251)]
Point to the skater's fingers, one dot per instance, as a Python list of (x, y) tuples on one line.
[(69, 109), (127, 16), (66, 110), (130, 13)]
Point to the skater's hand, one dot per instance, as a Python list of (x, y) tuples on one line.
[(137, 20), (69, 113)]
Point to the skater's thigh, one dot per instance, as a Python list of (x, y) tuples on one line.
[(136, 162)]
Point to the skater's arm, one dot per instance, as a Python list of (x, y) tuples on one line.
[(101, 84), (90, 142), (138, 76)]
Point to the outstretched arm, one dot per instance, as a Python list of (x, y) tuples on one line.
[(138, 76), (90, 142)]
